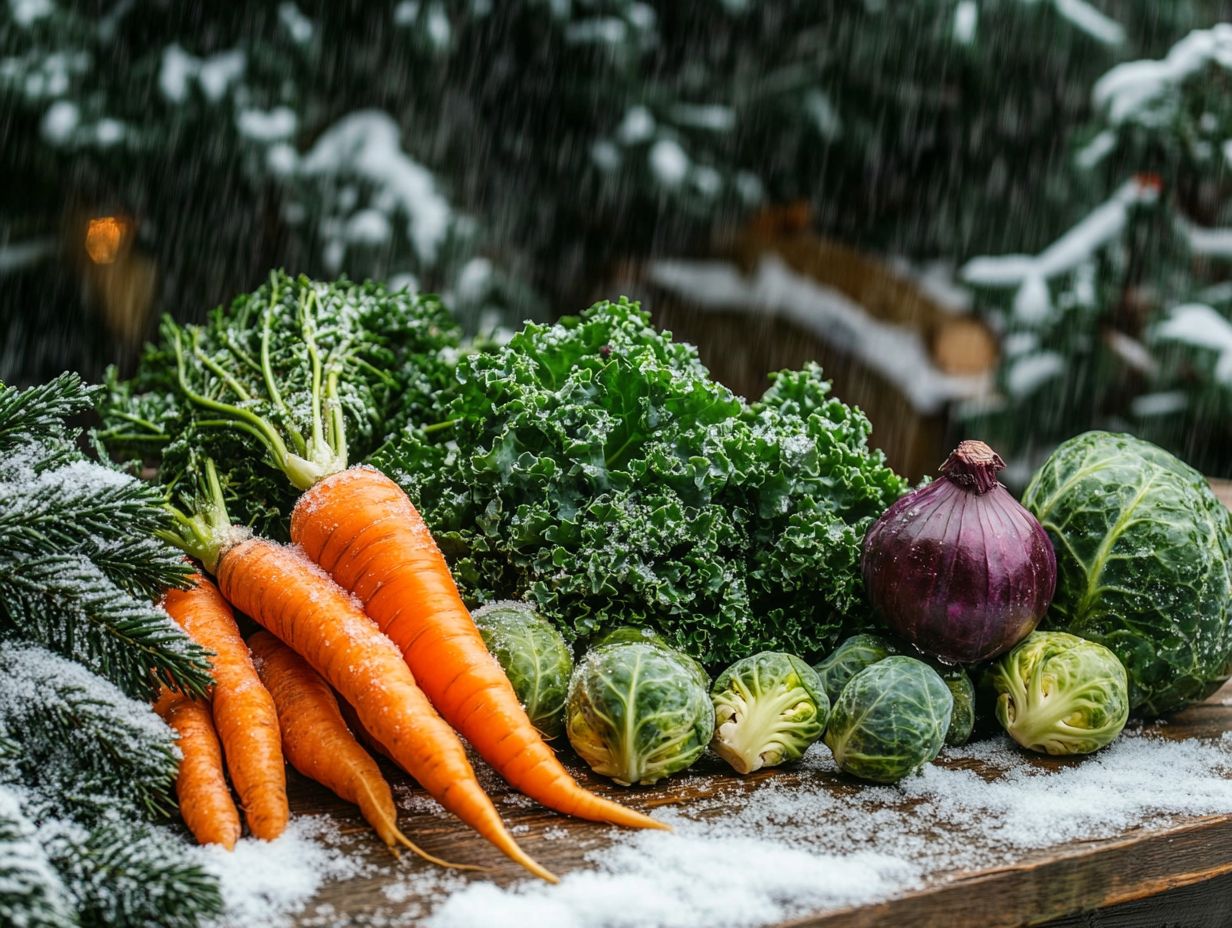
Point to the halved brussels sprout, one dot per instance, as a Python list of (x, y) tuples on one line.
[(637, 712), (768, 709), (1061, 694), (849, 658), (535, 658), (890, 720)]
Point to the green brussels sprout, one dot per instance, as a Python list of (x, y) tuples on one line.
[(849, 658), (535, 658), (637, 712), (768, 709), (962, 721), (627, 633), (1061, 694), (890, 720)]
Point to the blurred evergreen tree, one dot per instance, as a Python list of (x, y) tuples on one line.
[(508, 154)]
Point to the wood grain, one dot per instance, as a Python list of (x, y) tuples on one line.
[(1078, 877)]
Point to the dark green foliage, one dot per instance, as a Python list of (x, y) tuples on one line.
[(126, 876), (962, 720), (250, 387), (80, 565), (32, 893), (595, 469), (890, 720), (1144, 564), (83, 737)]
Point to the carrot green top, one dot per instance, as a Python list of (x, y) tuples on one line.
[(281, 388)]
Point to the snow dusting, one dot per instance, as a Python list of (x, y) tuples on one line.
[(1200, 326), (898, 353)]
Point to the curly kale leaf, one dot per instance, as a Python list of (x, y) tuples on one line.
[(595, 468), (256, 382)]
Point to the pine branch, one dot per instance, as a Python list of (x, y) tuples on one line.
[(67, 603), (39, 412), (123, 875), (82, 739), (31, 892)]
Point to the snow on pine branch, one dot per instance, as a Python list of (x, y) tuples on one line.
[(1146, 91), (1031, 273), (32, 894), (1200, 326), (898, 353)]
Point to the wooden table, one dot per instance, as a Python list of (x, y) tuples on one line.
[(1186, 859)]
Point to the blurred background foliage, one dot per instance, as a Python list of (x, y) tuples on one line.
[(521, 156)]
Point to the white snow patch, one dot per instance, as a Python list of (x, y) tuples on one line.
[(1033, 302), (1210, 243), (474, 280), (821, 110), (714, 117), (597, 30), (60, 121), (1103, 225), (1130, 89), (636, 126), (1132, 352), (966, 19), (1168, 403), (298, 26), (368, 227), (898, 353), (27, 12), (1200, 326), (267, 125), (1027, 374), (16, 255), (669, 162), (1094, 23), (369, 143), (1096, 150), (214, 74), (266, 882)]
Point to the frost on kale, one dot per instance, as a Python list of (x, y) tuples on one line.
[(379, 359), (595, 468)]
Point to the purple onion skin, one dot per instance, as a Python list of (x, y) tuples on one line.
[(959, 568)]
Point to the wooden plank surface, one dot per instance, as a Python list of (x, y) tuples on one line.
[(1040, 886)]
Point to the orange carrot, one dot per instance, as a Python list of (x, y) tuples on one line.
[(351, 717), (317, 742), (288, 595), (244, 713), (361, 528), (205, 800)]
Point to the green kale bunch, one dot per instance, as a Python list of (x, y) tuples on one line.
[(285, 381), (595, 468)]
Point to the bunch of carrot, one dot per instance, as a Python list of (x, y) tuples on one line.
[(387, 631)]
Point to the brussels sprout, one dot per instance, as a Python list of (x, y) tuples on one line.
[(627, 633), (1144, 564), (962, 721), (849, 658), (535, 658), (637, 712), (890, 720), (768, 708), (1061, 694)]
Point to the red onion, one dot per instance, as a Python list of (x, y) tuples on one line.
[(958, 567)]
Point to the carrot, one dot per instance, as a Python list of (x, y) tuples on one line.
[(317, 742), (205, 800), (361, 528), (288, 595), (351, 717), (244, 713)]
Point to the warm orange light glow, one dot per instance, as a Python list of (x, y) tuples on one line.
[(104, 237)]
